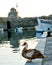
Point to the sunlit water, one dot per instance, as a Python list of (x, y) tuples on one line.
[(12, 56)]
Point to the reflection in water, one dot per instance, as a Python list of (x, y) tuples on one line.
[(5, 44), (10, 54), (13, 43), (15, 37)]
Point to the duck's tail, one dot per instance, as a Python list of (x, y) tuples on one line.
[(41, 56)]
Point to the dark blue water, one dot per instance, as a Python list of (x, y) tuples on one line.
[(15, 37)]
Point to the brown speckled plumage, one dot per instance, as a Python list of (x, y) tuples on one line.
[(31, 53), (36, 54)]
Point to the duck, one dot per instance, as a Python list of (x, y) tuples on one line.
[(31, 54)]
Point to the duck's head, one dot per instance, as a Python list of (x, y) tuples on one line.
[(25, 44)]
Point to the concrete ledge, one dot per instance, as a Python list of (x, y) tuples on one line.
[(40, 46)]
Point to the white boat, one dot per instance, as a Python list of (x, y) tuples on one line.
[(43, 25)]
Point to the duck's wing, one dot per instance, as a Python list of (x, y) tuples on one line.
[(30, 53)]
